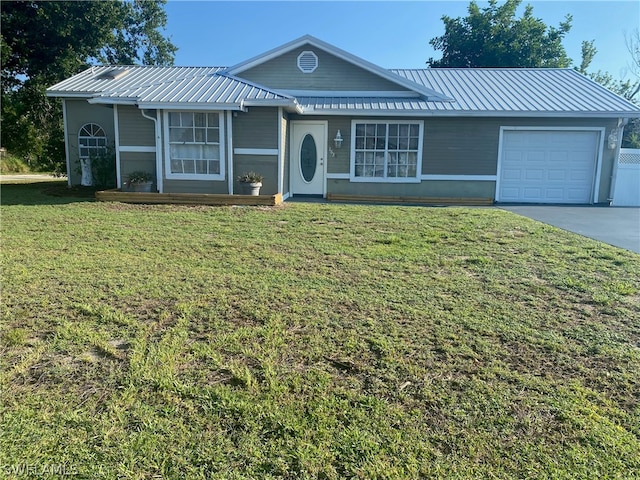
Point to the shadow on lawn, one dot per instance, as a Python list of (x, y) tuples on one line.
[(44, 193)]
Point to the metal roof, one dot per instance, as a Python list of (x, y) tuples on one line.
[(96, 79), (519, 91), (155, 87), (477, 92)]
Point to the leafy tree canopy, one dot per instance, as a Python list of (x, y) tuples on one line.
[(50, 41), (628, 89), (494, 37), (44, 42)]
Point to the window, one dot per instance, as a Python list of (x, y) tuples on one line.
[(195, 145), (92, 141), (386, 152)]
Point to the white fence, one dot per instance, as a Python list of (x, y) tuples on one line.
[(627, 189)]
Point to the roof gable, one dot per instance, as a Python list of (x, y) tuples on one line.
[(344, 71)]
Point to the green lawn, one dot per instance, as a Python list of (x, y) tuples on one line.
[(312, 341)]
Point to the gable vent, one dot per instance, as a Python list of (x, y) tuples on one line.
[(307, 61)]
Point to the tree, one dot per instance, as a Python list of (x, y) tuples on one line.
[(44, 42), (494, 37), (628, 89)]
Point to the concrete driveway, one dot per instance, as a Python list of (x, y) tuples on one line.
[(618, 226)]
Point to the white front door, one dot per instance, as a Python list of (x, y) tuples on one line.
[(308, 157)]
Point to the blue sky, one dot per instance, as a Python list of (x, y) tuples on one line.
[(392, 34)]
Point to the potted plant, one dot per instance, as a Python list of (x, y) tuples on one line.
[(140, 181), (250, 183)]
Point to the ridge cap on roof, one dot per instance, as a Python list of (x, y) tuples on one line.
[(488, 69)]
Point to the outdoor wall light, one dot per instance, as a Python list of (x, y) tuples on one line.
[(612, 141), (338, 140)]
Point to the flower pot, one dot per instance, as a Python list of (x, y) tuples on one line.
[(141, 187), (251, 188)]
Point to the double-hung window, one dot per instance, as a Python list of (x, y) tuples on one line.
[(195, 145), (388, 151)]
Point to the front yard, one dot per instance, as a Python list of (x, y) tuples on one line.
[(312, 341)]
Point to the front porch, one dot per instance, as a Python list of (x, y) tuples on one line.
[(117, 195)]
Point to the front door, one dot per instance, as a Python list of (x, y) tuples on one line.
[(308, 156)]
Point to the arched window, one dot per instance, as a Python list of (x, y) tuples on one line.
[(92, 141)]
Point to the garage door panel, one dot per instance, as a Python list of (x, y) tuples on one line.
[(510, 192), (535, 157), (531, 194), (544, 166), (579, 176), (534, 174), (555, 194), (555, 175), (512, 174), (577, 194)]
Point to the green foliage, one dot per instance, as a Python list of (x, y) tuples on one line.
[(494, 37), (103, 168), (11, 164), (629, 89), (250, 177), (139, 177), (313, 341), (45, 42)]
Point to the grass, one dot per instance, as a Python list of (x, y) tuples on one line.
[(312, 341)]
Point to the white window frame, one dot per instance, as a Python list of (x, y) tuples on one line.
[(352, 161), (94, 130), (167, 148)]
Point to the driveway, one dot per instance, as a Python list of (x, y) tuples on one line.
[(617, 226), (27, 178)]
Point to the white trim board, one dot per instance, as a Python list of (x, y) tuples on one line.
[(137, 148), (229, 119), (256, 151), (477, 178), (338, 176), (116, 129), (281, 159), (66, 140)]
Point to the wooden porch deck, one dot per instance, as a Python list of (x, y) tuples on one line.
[(187, 198)]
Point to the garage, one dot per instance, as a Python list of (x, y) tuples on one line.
[(547, 166)]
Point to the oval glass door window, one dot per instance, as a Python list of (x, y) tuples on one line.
[(308, 158)]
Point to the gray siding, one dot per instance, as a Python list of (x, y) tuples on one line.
[(138, 161), (79, 113), (257, 128), (425, 189), (266, 165), (454, 146), (195, 186), (332, 74), (469, 146), (133, 128)]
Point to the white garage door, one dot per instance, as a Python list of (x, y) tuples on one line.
[(545, 166)]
